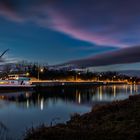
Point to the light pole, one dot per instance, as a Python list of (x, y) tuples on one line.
[(100, 77), (77, 75), (39, 70)]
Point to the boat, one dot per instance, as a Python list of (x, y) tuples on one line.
[(15, 82)]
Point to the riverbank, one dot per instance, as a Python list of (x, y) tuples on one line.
[(43, 85), (117, 120)]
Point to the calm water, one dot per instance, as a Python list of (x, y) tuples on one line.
[(22, 110)]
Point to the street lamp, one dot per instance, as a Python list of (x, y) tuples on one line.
[(27, 74), (77, 75), (100, 77), (113, 78), (40, 70)]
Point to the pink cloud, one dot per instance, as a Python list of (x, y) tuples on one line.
[(64, 25), (106, 23)]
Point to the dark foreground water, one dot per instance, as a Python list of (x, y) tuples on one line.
[(22, 110)]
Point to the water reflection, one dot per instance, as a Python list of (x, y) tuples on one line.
[(32, 108), (78, 96), (42, 104)]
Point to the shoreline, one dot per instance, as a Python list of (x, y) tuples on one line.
[(73, 83), (42, 86), (116, 120)]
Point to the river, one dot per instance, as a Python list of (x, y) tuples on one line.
[(22, 110)]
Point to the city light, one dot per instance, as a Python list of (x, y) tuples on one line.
[(41, 70)]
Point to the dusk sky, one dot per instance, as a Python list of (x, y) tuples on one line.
[(58, 31)]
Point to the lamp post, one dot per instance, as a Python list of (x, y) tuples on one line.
[(77, 75), (100, 77), (40, 70), (113, 78)]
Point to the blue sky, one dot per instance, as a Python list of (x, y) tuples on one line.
[(36, 43), (57, 31)]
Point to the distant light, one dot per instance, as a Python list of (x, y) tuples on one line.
[(27, 95), (27, 74), (41, 70), (63, 84)]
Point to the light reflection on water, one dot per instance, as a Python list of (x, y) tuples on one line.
[(22, 110)]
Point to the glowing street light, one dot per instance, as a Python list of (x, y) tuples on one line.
[(40, 70), (77, 75), (113, 78), (27, 74)]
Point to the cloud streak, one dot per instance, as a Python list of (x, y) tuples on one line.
[(122, 56), (101, 22)]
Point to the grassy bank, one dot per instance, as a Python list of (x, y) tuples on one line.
[(119, 120)]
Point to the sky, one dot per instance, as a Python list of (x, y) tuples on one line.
[(83, 31)]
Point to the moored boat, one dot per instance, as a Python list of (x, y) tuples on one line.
[(15, 82)]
